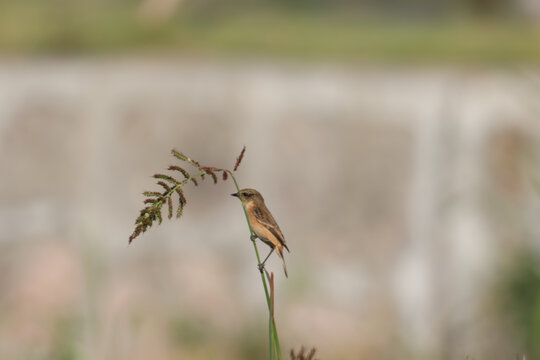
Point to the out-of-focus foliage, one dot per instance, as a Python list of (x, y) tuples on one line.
[(414, 30), (410, 8), (521, 300)]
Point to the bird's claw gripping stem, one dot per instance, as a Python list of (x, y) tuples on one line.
[(253, 237)]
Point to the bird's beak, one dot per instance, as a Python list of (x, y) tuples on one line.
[(235, 194)]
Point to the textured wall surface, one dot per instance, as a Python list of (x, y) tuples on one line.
[(400, 192)]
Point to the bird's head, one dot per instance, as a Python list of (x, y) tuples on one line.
[(249, 195)]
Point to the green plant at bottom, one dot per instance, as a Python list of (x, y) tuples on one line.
[(520, 299), (173, 187)]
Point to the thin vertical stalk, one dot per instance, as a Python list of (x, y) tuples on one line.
[(272, 322), (270, 339), (271, 318)]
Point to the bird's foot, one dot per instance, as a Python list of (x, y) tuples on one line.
[(253, 237), (260, 267)]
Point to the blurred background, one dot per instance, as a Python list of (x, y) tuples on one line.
[(395, 142)]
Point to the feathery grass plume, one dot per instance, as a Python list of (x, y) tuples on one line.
[(171, 185), (301, 356), (239, 159)]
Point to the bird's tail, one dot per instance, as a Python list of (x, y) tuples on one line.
[(280, 253)]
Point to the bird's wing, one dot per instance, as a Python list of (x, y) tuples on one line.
[(264, 216)]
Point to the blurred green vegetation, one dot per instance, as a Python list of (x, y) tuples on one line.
[(189, 332), (520, 300), (66, 339), (252, 342), (199, 338), (411, 31)]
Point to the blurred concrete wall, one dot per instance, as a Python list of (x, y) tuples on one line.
[(400, 193)]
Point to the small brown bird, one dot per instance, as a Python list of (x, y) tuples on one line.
[(263, 224)]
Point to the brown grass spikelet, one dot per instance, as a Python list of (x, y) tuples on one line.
[(209, 168), (169, 203), (179, 155), (181, 196), (225, 175), (194, 181), (156, 214), (136, 233), (152, 193), (181, 202), (166, 177), (239, 158), (302, 356), (214, 176), (178, 168), (183, 157), (165, 186), (179, 211), (210, 171)]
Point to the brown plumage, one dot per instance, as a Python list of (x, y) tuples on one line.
[(263, 224)]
